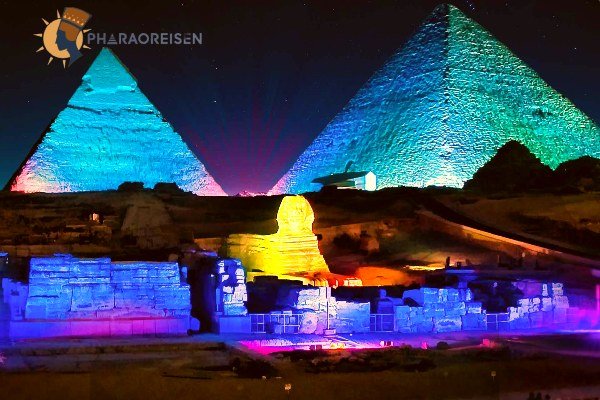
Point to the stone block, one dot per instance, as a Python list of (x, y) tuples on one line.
[(137, 327), (560, 301), (455, 309), (352, 317), (465, 295), (560, 316), (473, 322), (149, 327), (524, 302), (453, 295), (234, 309), (90, 328), (402, 313), (448, 324), (547, 304), (473, 307), (536, 319), (434, 310), (121, 328), (35, 310), (423, 296), (179, 326), (557, 289), (442, 295), (424, 325)]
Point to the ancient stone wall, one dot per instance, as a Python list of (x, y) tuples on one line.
[(64, 287)]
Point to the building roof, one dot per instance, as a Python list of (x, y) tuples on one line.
[(337, 178)]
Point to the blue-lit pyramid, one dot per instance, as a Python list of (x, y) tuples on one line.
[(440, 108), (108, 134)]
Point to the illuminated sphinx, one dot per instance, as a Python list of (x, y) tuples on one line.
[(291, 253)]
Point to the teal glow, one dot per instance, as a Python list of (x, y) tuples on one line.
[(108, 134), (439, 109)]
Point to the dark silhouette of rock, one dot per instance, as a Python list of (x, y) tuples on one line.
[(131, 187), (168, 187), (581, 173), (513, 169)]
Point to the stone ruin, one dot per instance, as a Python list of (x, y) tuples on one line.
[(427, 310), (231, 313), (231, 288), (545, 304), (319, 311), (69, 296)]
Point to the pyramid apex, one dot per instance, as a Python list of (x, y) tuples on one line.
[(446, 9), (107, 54)]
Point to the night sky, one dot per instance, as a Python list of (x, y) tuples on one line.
[(270, 74)]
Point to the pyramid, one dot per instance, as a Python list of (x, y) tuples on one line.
[(108, 134), (439, 109)]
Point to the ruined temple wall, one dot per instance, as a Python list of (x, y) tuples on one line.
[(69, 296)]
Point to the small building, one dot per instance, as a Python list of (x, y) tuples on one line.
[(364, 180)]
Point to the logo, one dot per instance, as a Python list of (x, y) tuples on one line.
[(63, 37)]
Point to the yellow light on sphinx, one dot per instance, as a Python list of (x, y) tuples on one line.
[(292, 252)]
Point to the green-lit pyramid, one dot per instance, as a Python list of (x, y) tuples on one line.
[(440, 108), (108, 134)]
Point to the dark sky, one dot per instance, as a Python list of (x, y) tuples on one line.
[(270, 74)]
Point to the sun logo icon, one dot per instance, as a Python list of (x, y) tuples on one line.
[(63, 37)]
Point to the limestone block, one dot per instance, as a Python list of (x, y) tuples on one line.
[(96, 268), (352, 317), (560, 301), (524, 302), (473, 307), (36, 309), (67, 287), (82, 299), (513, 313), (234, 309), (465, 294), (472, 322), (453, 295), (557, 289), (442, 295), (455, 309), (434, 310), (309, 322), (131, 297), (536, 319), (406, 328), (402, 312), (547, 304), (448, 324), (560, 316), (423, 295), (424, 325), (312, 299)]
